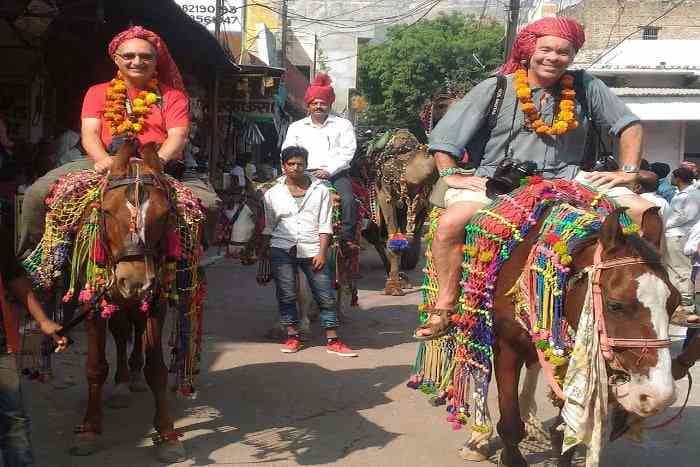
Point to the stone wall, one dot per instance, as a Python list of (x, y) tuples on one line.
[(608, 22)]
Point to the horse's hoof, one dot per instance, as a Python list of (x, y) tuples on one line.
[(474, 455), (85, 444), (171, 452), (120, 397), (511, 458)]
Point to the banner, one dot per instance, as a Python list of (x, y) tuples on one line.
[(204, 12)]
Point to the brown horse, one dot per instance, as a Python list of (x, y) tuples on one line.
[(137, 211), (637, 301)]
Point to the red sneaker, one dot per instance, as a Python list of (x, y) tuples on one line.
[(291, 345), (338, 348)]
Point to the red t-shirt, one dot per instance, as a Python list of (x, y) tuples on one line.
[(171, 112)]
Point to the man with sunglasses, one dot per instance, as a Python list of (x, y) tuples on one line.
[(144, 64)]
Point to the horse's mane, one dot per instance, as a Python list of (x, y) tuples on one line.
[(641, 246)]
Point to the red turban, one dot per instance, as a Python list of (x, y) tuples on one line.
[(524, 44), (320, 88), (166, 68)]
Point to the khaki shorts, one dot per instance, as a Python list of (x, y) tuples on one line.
[(457, 195), (444, 196)]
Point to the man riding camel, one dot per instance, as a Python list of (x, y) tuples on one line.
[(330, 141), (147, 101), (544, 116)]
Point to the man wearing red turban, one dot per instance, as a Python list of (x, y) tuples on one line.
[(330, 141), (146, 100), (541, 120)]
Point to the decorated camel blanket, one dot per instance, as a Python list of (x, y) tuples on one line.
[(71, 244)]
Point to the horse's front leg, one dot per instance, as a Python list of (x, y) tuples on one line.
[(508, 363), (120, 328), (169, 447), (556, 432), (86, 440), (136, 383)]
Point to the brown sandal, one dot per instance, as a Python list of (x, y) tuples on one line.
[(437, 329)]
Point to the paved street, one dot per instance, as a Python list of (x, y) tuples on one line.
[(259, 406)]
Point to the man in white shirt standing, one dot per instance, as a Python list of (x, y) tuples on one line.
[(330, 141), (684, 213), (298, 225)]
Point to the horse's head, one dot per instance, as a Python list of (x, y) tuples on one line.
[(635, 302), (136, 211)]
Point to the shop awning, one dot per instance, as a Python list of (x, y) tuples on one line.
[(669, 109)]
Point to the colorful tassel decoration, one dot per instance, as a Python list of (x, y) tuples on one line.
[(174, 246), (99, 253), (397, 242)]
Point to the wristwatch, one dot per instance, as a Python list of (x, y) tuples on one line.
[(630, 169)]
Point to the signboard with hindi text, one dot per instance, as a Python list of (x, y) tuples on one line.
[(204, 12)]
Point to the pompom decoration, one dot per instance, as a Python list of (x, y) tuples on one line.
[(99, 253), (174, 246), (108, 309), (397, 242)]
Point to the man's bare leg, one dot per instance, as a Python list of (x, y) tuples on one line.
[(448, 256)]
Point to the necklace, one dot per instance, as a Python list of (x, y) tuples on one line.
[(125, 115), (564, 120)]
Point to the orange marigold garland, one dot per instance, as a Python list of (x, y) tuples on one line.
[(127, 116), (564, 120)]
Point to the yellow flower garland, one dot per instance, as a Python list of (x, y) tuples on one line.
[(565, 119), (120, 117)]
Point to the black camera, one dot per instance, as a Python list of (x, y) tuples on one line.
[(508, 175), (606, 163)]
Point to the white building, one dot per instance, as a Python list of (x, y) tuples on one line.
[(660, 82)]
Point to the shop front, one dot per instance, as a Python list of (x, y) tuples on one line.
[(57, 50)]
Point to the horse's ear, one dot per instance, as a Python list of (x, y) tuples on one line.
[(611, 235), (150, 157), (121, 159), (652, 226)]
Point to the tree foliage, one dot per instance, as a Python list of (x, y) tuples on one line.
[(416, 62)]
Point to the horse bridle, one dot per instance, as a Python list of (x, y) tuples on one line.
[(609, 344), (134, 246)]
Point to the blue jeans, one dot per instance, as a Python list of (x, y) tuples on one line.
[(14, 423), (284, 271)]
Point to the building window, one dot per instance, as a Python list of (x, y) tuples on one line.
[(650, 33)]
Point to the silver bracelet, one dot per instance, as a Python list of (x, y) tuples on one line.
[(454, 170)]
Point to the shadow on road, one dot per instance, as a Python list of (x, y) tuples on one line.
[(292, 411)]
